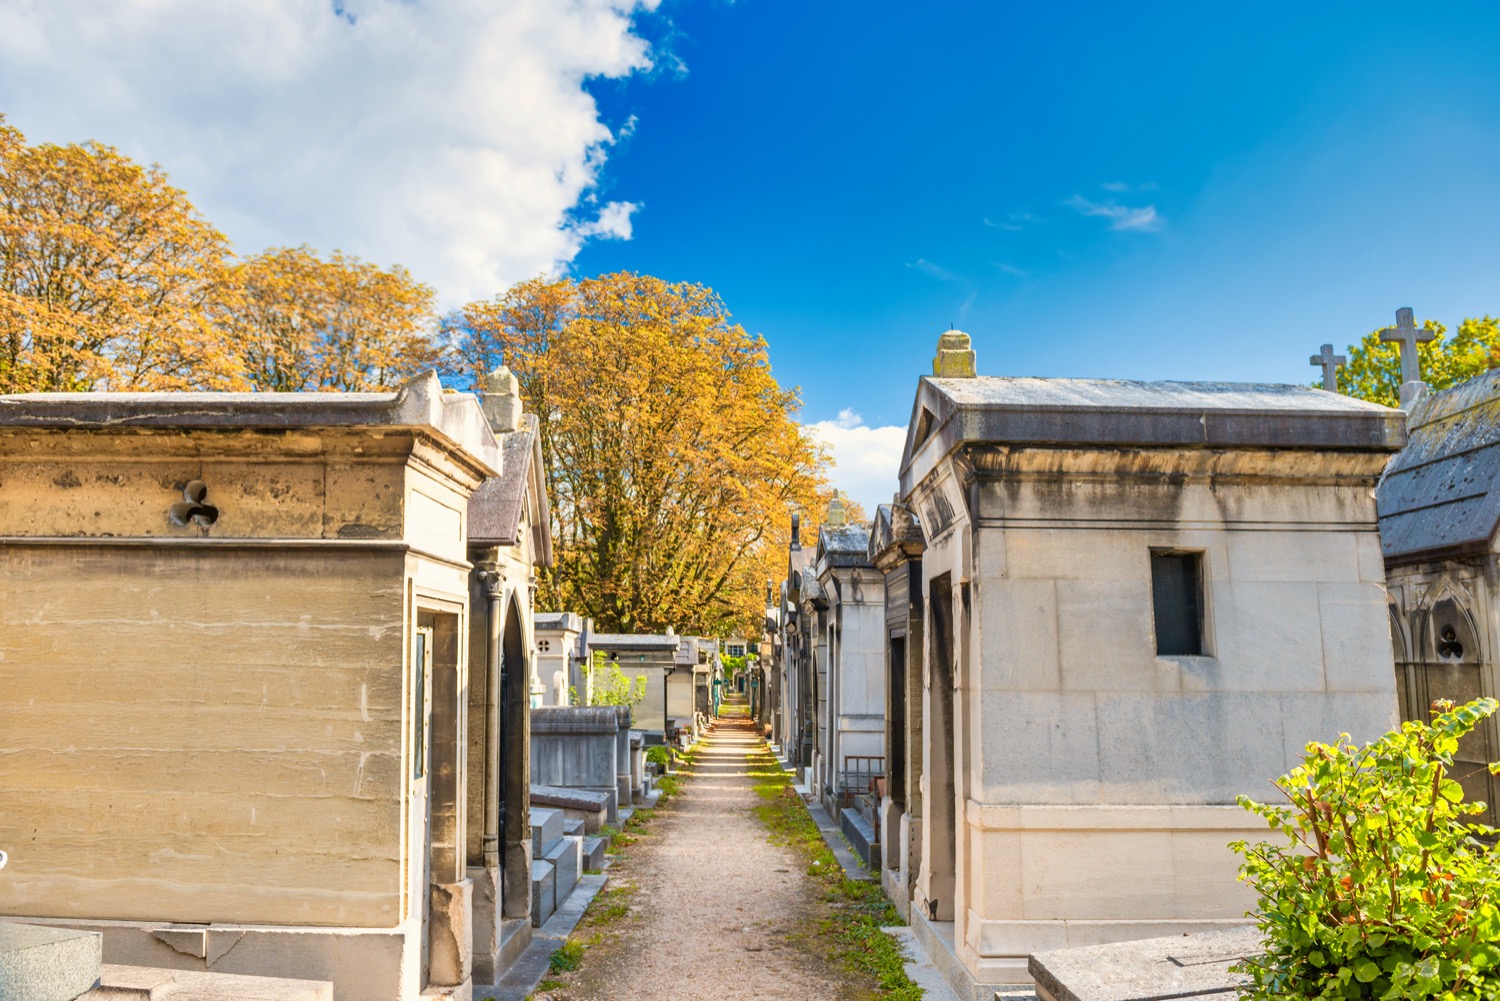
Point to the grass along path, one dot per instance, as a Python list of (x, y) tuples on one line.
[(703, 903), (857, 908)]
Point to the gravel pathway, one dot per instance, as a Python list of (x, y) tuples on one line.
[(717, 911)]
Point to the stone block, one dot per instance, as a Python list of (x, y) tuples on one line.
[(566, 858), (593, 853), (140, 983), (861, 836), (546, 829), (573, 828), (1145, 969), (543, 892), (47, 964), (595, 807)]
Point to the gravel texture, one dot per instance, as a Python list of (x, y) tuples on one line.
[(717, 910)]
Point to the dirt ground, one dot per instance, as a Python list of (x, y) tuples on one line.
[(716, 910)]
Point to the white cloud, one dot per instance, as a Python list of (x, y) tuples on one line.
[(455, 138), (1121, 217), (867, 461), (932, 270)]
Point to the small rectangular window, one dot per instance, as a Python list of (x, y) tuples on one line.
[(1177, 597)]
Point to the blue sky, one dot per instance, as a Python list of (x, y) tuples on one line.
[(1200, 191), (1179, 191)]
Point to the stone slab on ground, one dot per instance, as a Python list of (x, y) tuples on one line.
[(919, 966), (1151, 969), (523, 975), (852, 867), (543, 891), (48, 964), (588, 805), (935, 938), (141, 983), (567, 865), (546, 828)]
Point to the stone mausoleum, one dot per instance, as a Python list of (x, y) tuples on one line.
[(1440, 530), (266, 680), (1138, 600)]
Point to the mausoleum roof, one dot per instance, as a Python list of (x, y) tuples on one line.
[(1438, 496), (496, 508), (632, 641), (1115, 413), (558, 621), (418, 403)]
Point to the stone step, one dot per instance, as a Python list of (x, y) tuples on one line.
[(593, 853), (546, 830), (141, 983), (573, 828), (543, 892), (566, 858), (48, 964)]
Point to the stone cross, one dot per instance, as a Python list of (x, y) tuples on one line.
[(1408, 334), (1330, 363)]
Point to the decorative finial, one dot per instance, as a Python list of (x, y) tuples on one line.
[(955, 356), (1407, 334), (500, 396), (1330, 363), (796, 530), (836, 514)]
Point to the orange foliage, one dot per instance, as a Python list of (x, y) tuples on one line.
[(673, 456)]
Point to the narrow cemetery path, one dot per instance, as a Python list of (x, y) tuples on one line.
[(715, 909)]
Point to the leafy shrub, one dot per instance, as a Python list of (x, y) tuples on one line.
[(607, 685), (1382, 888), (658, 755)]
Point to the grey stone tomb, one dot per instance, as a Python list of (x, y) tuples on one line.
[(575, 747)]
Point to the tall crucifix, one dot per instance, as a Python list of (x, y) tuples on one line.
[(1330, 363), (1408, 334)]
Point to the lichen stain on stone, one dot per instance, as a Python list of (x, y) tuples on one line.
[(358, 531), (68, 480)]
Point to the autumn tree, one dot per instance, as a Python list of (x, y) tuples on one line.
[(673, 456), (1374, 369), (109, 278), (304, 323)]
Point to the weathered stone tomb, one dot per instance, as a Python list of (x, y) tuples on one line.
[(1138, 601), (254, 647)]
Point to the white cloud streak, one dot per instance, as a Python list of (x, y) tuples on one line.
[(453, 137), (1122, 218), (867, 461)]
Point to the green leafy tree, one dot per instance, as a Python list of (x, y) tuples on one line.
[(1381, 886), (607, 685), (1374, 369)]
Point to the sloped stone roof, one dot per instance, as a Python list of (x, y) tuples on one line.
[(1114, 413), (1439, 496)]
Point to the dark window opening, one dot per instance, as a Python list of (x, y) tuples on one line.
[(1177, 596)]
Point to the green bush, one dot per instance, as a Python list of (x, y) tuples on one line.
[(1382, 888), (658, 755)]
